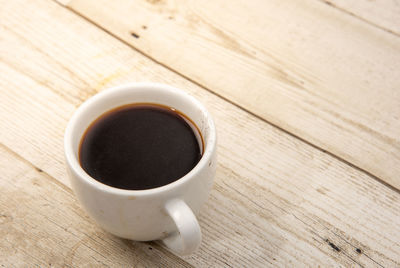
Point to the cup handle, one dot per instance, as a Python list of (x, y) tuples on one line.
[(187, 238)]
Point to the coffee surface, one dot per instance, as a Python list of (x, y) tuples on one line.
[(139, 146)]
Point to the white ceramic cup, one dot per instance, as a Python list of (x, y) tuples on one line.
[(167, 212)]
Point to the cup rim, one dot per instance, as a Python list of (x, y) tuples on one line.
[(73, 162)]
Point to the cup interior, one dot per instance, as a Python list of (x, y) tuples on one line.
[(137, 93)]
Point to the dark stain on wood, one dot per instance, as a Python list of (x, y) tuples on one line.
[(155, 2), (332, 245), (39, 169), (135, 35), (5, 218), (321, 191)]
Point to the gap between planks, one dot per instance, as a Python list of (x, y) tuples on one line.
[(64, 4), (29, 163), (332, 241), (67, 190), (283, 64), (333, 5)]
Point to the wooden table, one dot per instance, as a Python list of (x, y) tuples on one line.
[(305, 95)]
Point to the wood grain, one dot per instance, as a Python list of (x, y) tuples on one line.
[(381, 14), (277, 201), (313, 70), (41, 225)]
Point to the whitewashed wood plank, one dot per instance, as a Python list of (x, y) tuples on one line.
[(277, 201), (382, 14), (41, 225), (313, 70), (63, 2)]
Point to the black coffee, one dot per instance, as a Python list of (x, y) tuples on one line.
[(139, 146)]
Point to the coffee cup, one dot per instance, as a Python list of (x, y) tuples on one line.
[(166, 213)]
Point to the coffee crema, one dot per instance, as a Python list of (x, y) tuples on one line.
[(140, 146)]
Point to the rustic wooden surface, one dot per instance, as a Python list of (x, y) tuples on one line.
[(308, 126), (319, 73)]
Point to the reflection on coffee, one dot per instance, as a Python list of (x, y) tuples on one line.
[(140, 146)]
